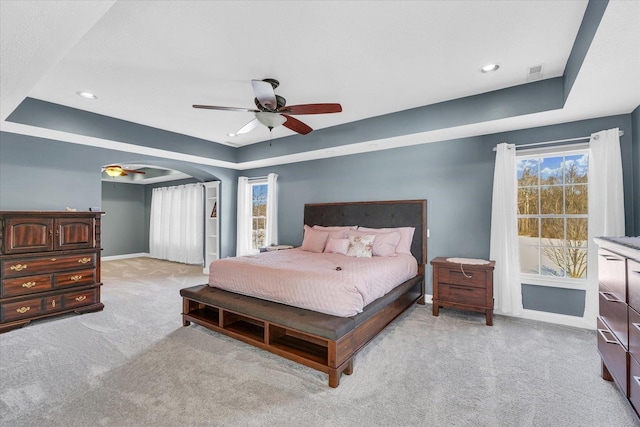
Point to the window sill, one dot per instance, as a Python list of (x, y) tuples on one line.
[(554, 282)]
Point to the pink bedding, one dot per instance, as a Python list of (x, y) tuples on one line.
[(311, 280)]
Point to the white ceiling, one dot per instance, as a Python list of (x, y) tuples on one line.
[(148, 62)]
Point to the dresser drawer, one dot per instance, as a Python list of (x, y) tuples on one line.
[(77, 299), (26, 285), (53, 303), (614, 313), (634, 384), (462, 294), (633, 280), (459, 275), (75, 278), (29, 266), (634, 333), (613, 355), (21, 310), (612, 272)]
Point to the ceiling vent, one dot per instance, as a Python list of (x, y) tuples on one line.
[(534, 73)]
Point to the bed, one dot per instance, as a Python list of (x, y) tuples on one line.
[(322, 341)]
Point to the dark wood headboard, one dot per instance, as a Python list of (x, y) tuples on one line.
[(381, 214)]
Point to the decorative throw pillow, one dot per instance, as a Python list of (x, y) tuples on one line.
[(314, 240), (361, 246), (406, 237), (337, 246)]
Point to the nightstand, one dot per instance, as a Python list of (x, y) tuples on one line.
[(463, 286)]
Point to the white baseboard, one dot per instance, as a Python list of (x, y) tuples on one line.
[(116, 257), (542, 316)]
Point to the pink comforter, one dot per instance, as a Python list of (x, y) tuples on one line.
[(310, 280)]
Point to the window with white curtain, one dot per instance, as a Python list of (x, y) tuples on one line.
[(176, 230), (553, 202), (257, 214)]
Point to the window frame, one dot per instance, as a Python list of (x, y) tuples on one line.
[(554, 281)]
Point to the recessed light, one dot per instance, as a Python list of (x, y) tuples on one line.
[(87, 95), (489, 68), (231, 135)]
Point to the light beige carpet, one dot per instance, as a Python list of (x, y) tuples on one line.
[(133, 364)]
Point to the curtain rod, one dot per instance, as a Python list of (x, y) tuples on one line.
[(557, 141)]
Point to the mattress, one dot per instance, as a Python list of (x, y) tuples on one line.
[(324, 282)]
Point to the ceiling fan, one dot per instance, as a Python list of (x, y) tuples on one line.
[(272, 110), (115, 170)]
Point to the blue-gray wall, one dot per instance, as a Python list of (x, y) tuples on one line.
[(456, 178), (43, 174), (123, 225)]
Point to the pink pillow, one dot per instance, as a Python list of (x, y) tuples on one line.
[(337, 232), (406, 237), (337, 246), (314, 240), (385, 244)]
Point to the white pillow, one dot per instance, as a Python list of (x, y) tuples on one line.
[(361, 246)]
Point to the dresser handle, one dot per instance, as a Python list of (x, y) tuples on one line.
[(53, 303), (81, 298), (53, 259), (18, 267), (608, 298), (75, 278), (28, 284), (607, 340), (461, 287), (637, 273), (23, 310), (84, 260)]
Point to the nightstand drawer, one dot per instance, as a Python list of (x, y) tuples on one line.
[(614, 313), (464, 276), (26, 285), (613, 355), (633, 280), (462, 294)]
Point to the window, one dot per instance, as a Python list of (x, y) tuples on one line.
[(258, 215), (553, 214)]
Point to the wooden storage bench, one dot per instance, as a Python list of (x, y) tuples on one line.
[(321, 341), (317, 340)]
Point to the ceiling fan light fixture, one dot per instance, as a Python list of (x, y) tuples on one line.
[(113, 172), (270, 120)]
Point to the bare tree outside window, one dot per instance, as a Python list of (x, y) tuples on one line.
[(553, 214)]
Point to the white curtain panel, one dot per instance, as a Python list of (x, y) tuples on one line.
[(606, 206), (272, 209), (177, 224), (243, 238), (504, 247)]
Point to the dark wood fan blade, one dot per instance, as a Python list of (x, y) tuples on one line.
[(312, 109), (296, 125), (213, 107), (265, 94), (133, 171)]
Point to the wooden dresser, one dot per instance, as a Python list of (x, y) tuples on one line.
[(463, 286), (619, 314), (49, 265)]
